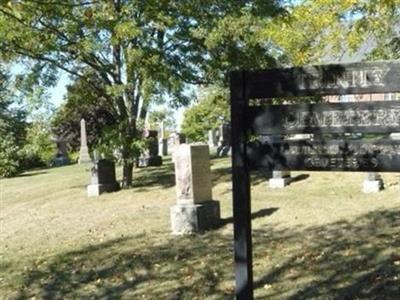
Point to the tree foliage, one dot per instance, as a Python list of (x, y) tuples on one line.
[(140, 50), (82, 102), (164, 116), (211, 111), (12, 129), (317, 30)]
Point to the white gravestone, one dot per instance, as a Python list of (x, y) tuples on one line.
[(195, 210), (84, 151), (373, 183), (279, 179)]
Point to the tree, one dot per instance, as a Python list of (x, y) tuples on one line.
[(211, 111), (12, 129), (317, 30), (39, 149), (82, 102), (140, 50), (163, 116)]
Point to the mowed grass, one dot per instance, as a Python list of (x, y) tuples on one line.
[(318, 238)]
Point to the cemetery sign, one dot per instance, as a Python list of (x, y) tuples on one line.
[(259, 132)]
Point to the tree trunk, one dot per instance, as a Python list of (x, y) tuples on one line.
[(127, 172), (128, 154)]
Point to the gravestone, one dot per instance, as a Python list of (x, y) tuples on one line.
[(150, 157), (279, 179), (176, 139), (163, 142), (61, 157), (195, 210), (212, 139), (373, 183), (84, 151), (102, 178), (395, 136), (224, 143)]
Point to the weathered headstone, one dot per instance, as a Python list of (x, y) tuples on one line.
[(279, 179), (84, 151), (224, 143), (61, 157), (102, 178), (373, 183), (163, 142), (176, 139), (195, 210), (212, 139), (150, 157)]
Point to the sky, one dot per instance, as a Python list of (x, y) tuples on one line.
[(57, 93)]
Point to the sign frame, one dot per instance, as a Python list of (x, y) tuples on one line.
[(323, 80)]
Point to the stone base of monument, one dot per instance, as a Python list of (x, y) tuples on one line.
[(192, 218), (279, 179), (372, 186), (84, 160), (279, 183), (95, 190), (395, 136), (84, 156), (149, 161), (60, 161), (373, 183)]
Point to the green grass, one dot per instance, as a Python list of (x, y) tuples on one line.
[(319, 238)]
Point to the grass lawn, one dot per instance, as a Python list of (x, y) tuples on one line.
[(319, 238)]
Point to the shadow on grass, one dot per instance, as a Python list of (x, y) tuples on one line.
[(356, 259), (30, 174), (155, 176), (259, 214), (164, 175), (300, 177)]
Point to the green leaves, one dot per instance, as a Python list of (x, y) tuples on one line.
[(323, 29), (211, 111)]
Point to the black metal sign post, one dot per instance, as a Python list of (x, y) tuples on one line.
[(253, 126), (241, 191)]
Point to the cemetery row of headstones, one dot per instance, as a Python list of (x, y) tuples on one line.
[(103, 172), (150, 157)]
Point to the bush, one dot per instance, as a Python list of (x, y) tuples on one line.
[(9, 157), (31, 161), (39, 149)]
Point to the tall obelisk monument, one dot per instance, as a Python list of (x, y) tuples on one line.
[(84, 152)]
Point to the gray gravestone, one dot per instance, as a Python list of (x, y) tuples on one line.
[(224, 143), (61, 157), (212, 139), (84, 151), (163, 142), (150, 157), (102, 178), (195, 210), (373, 183)]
